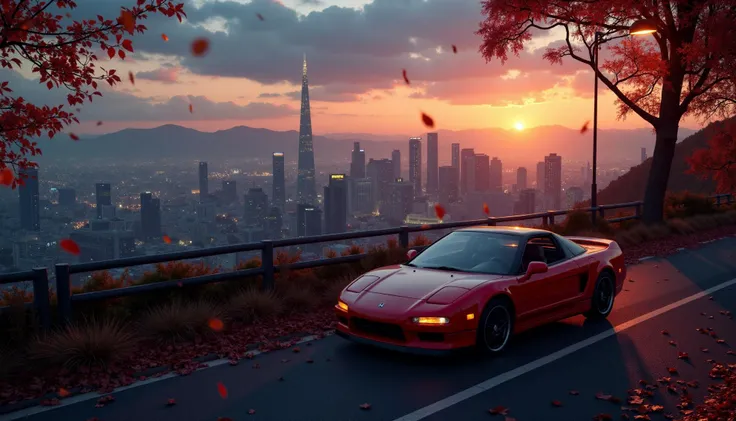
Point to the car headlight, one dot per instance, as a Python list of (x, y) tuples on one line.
[(431, 320), (362, 283), (342, 306)]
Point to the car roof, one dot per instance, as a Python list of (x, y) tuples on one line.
[(520, 231)]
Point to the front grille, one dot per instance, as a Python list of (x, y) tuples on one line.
[(431, 337), (385, 330)]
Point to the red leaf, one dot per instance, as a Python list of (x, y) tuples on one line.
[(556, 404), (673, 343), (200, 47), (69, 246), (128, 45), (602, 396), (172, 402), (251, 412), (191, 109), (99, 123), (111, 52), (296, 350), (260, 17), (131, 77), (167, 239), (603, 417), (499, 410), (427, 120), (439, 211), (486, 210), (365, 406), (127, 20), (164, 37), (49, 84), (666, 333), (63, 393), (683, 356), (454, 48), (6, 177), (222, 390), (121, 54), (406, 79), (216, 324), (585, 127), (671, 370)]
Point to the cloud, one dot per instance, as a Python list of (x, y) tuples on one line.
[(269, 95), (120, 106), (164, 74), (311, 2)]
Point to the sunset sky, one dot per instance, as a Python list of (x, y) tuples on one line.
[(355, 50)]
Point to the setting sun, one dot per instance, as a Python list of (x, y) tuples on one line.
[(519, 126)]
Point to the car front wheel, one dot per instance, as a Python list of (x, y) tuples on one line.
[(495, 327)]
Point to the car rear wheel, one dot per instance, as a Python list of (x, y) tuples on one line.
[(495, 326), (603, 297)]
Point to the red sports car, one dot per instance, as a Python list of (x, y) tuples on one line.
[(476, 286)]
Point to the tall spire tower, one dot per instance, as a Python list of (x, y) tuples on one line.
[(305, 190)]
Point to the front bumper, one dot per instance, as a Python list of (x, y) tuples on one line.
[(423, 340)]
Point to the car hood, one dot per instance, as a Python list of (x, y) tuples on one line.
[(417, 283)]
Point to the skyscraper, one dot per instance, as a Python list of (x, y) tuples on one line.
[(256, 207), (30, 208), (336, 204), (496, 174), (357, 162), (520, 179), (229, 191), (448, 184), (67, 197), (204, 184), (396, 160), (433, 162), (150, 216), (306, 190), (482, 172), (553, 181), (102, 197), (380, 171), (467, 170), (540, 177), (456, 155), (308, 220), (415, 164), (401, 196), (278, 194)]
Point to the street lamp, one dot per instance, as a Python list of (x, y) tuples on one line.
[(640, 27)]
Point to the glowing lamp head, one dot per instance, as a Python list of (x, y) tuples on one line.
[(642, 27)]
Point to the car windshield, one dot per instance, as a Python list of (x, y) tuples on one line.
[(471, 251)]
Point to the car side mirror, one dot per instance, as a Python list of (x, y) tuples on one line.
[(535, 268), (411, 254)]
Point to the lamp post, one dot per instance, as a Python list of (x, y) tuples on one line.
[(640, 27)]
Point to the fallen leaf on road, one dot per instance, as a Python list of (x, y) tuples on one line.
[(642, 417), (682, 356), (673, 343), (499, 410), (256, 365), (657, 408), (602, 396), (730, 352), (281, 379), (574, 392), (251, 411), (63, 393), (365, 406), (720, 341), (672, 370), (665, 332), (171, 402), (704, 349), (635, 400), (603, 417), (556, 404), (296, 350)]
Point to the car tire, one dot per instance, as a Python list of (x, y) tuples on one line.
[(604, 294), (495, 326)]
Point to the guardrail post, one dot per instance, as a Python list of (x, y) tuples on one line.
[(404, 237), (637, 210), (491, 221), (602, 212), (63, 293), (551, 218), (41, 296), (267, 264)]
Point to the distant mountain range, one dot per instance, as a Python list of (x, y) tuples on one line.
[(631, 186), (176, 142)]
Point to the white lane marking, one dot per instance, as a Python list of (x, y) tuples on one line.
[(641, 259), (519, 371), (34, 410)]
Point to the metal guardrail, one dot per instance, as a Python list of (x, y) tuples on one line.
[(63, 271)]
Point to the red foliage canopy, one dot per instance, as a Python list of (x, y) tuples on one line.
[(41, 35), (718, 161), (692, 54)]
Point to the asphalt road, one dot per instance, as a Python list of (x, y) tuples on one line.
[(343, 375)]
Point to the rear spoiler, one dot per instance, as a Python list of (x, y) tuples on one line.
[(589, 241)]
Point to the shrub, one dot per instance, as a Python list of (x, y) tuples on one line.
[(353, 250), (91, 343), (252, 304), (296, 297), (684, 205), (576, 222), (179, 320), (419, 241)]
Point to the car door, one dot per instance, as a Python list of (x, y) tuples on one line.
[(546, 292)]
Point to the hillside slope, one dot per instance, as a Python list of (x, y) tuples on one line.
[(631, 186)]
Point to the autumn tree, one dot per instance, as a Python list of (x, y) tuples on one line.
[(718, 160), (685, 68), (41, 38)]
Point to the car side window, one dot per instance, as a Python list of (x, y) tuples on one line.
[(553, 253)]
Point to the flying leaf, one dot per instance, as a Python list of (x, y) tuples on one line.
[(439, 211), (73, 136), (69, 246), (251, 412), (126, 19), (200, 46), (556, 404), (406, 78), (128, 45), (365, 406), (486, 210), (260, 17), (584, 128), (222, 390), (454, 48), (131, 77), (216, 324), (99, 123), (171, 402), (6, 177), (498, 410), (164, 37), (167, 239), (191, 109), (427, 120)]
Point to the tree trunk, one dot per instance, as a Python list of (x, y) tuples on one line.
[(659, 173)]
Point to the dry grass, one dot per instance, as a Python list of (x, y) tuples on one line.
[(11, 361), (253, 304), (94, 343), (333, 290), (179, 320), (297, 298)]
